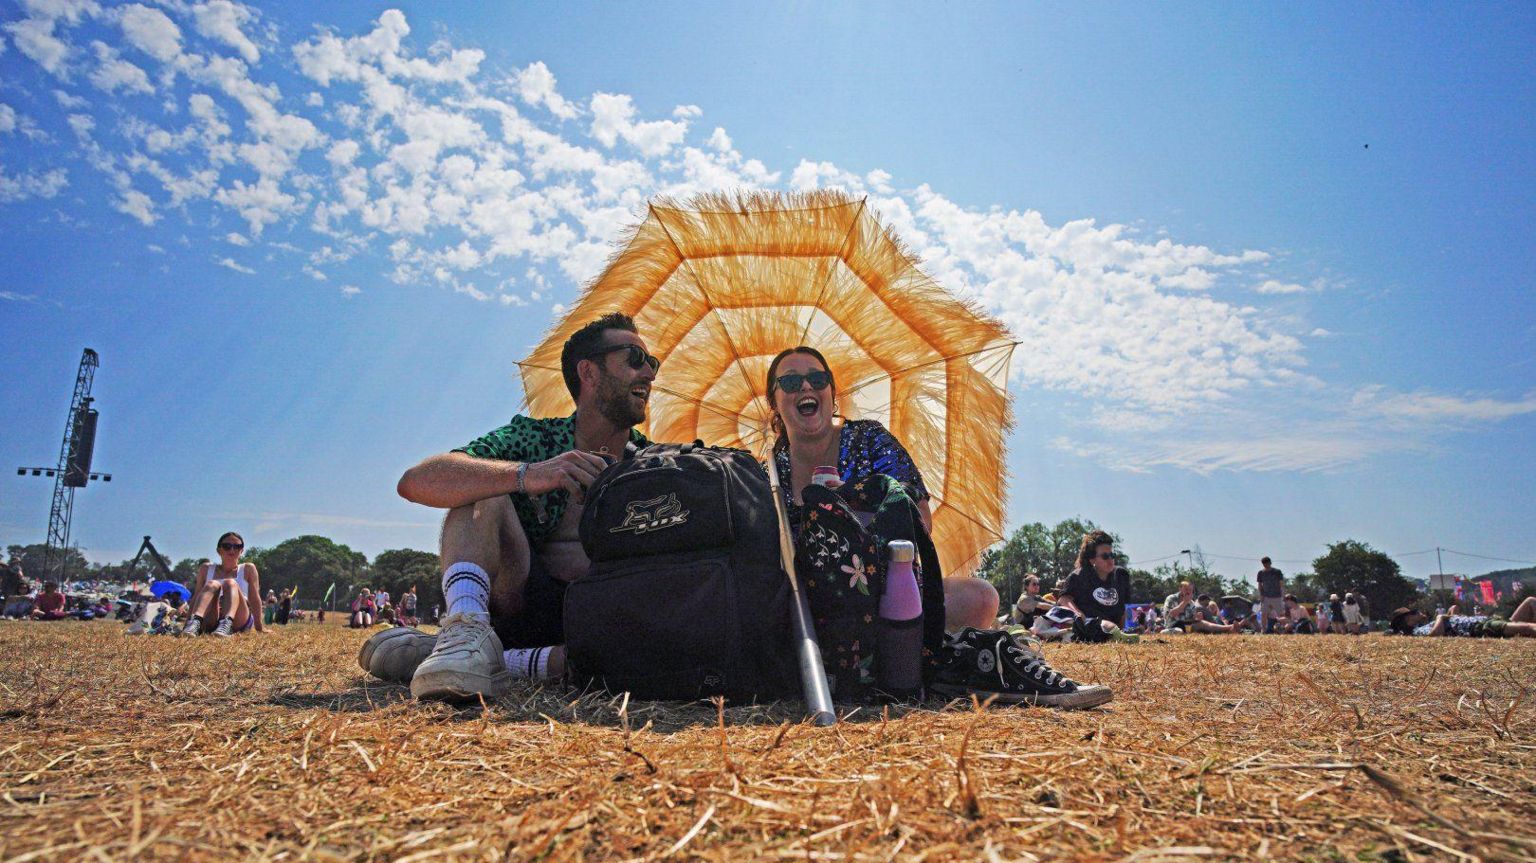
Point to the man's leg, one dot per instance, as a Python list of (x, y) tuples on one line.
[(486, 559), (1207, 626)]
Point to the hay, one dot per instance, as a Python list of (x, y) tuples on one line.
[(1217, 748)]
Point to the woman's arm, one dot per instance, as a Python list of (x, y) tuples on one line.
[(253, 592)]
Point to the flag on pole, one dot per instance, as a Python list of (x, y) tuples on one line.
[(327, 597)]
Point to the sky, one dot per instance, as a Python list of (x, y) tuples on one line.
[(1270, 268)]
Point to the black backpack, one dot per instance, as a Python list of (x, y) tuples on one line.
[(686, 597)]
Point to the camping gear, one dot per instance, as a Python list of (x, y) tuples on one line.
[(685, 598), (720, 285)]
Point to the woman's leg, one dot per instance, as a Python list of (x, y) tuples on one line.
[(203, 602), (1526, 613)]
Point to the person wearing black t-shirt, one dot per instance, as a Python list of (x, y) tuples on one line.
[(1098, 589)]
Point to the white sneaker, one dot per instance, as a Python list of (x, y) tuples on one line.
[(466, 663), (395, 653)]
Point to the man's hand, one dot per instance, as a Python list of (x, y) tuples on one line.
[(573, 471)]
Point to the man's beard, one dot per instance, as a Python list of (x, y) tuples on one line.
[(614, 403)]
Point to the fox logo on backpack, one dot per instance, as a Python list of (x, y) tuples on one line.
[(686, 597)]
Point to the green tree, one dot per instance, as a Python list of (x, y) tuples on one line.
[(400, 568), (310, 564), (32, 556), (1351, 565), (1049, 552), (185, 570)]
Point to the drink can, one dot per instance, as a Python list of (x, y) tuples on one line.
[(825, 475)]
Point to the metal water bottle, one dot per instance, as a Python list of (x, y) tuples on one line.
[(901, 624)]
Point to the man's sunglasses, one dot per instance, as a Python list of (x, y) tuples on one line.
[(790, 383), (230, 546), (637, 356)]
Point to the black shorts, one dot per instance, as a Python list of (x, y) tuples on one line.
[(542, 620)]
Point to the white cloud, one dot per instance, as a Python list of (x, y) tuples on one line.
[(136, 204), (350, 291), (112, 72), (232, 264), (21, 187), (236, 239), (151, 31), (34, 37), (223, 20), (1272, 286), (1430, 407), (536, 86), (613, 119), (69, 101)]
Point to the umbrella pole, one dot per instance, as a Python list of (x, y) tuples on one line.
[(813, 677)]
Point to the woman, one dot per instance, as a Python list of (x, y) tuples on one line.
[(802, 394), (362, 609), (228, 590), (1098, 589)]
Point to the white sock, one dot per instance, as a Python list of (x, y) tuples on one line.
[(529, 662), (467, 590)]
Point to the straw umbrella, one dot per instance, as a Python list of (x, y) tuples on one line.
[(719, 285)]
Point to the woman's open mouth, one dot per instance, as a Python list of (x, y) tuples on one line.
[(808, 406)]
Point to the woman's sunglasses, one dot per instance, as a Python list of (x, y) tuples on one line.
[(790, 383), (230, 546), (637, 356)]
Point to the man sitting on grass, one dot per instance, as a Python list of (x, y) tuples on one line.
[(1184, 612), (1521, 624), (50, 603), (509, 543)]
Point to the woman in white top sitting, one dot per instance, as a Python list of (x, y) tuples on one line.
[(227, 592)]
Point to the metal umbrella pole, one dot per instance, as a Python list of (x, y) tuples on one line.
[(813, 676)]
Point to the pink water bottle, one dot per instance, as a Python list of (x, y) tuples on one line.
[(901, 624)]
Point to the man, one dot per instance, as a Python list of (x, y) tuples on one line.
[(1271, 595), (1097, 590), (509, 543), (1183, 610), (408, 607), (1521, 624), (50, 603)]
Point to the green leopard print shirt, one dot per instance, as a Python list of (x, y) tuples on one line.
[(527, 439)]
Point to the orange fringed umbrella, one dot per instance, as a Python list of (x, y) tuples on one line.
[(719, 285)]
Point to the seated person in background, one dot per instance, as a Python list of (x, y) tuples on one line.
[(1029, 604), (1521, 624), (1183, 611), (229, 592), (49, 605), (1297, 618), (362, 609), (1097, 590)]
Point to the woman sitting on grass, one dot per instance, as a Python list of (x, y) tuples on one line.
[(802, 394), (229, 592), (362, 609), (1521, 624)]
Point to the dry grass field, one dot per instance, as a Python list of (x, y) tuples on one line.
[(279, 748)]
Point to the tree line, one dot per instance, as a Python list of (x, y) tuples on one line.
[(308, 564)]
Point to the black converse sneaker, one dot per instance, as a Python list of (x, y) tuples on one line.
[(991, 663)]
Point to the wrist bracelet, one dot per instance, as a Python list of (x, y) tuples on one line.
[(522, 471)]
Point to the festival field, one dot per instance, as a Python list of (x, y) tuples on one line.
[(1216, 748)]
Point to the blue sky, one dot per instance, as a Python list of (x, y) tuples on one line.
[(1270, 266)]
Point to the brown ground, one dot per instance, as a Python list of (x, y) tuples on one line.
[(277, 748)]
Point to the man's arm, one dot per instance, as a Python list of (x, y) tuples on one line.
[(456, 479)]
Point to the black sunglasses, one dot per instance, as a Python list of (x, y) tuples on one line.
[(230, 546), (1105, 555), (637, 356), (790, 383)]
